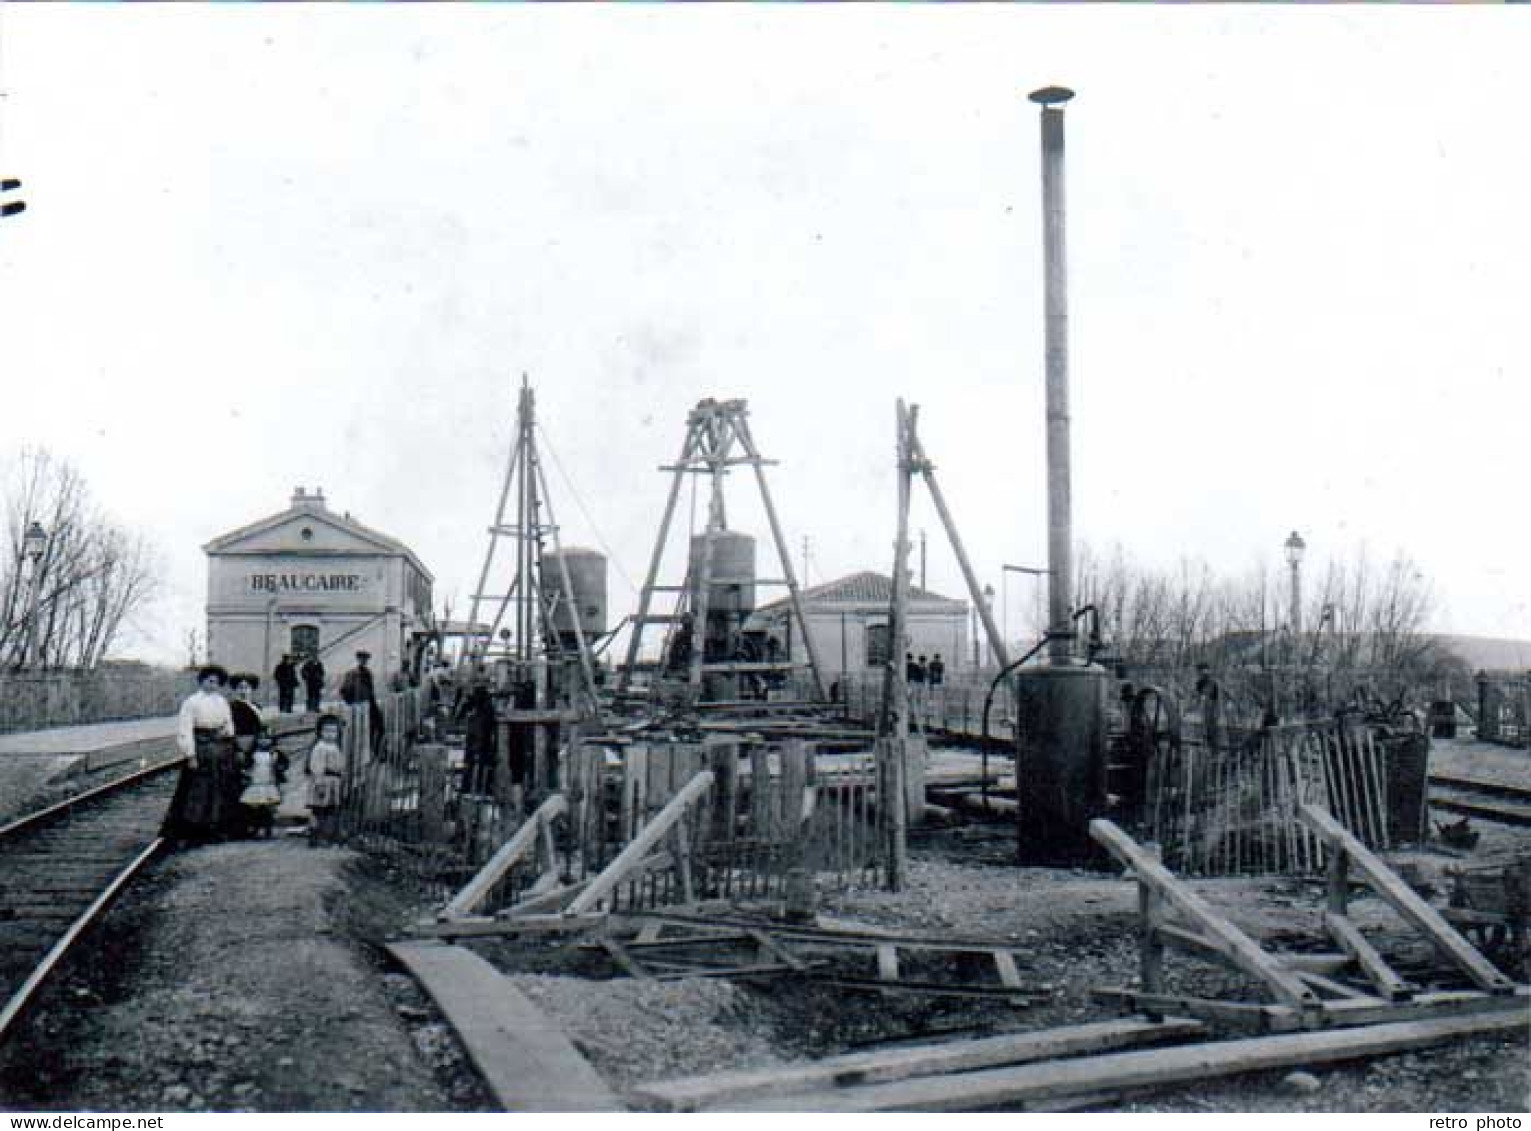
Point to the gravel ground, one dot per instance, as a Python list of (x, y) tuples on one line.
[(229, 980), (1074, 931), (30, 781)]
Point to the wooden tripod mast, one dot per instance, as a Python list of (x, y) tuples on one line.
[(717, 438), (531, 597)]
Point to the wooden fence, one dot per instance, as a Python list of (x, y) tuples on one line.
[(36, 700), (772, 815), (1234, 808)]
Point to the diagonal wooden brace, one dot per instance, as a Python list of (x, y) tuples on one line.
[(1407, 902), (509, 855), (1240, 949), (640, 846)]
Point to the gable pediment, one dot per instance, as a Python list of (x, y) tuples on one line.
[(299, 532)]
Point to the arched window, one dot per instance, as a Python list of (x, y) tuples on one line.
[(878, 640), (305, 641)]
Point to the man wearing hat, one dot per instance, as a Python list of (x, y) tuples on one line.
[(356, 686)]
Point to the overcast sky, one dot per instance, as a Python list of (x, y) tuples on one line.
[(268, 246)]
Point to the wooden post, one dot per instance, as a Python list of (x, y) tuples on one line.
[(646, 596), (1151, 958), (895, 749), (433, 792), (723, 761)]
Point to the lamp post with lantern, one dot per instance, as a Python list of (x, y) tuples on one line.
[(1295, 548)]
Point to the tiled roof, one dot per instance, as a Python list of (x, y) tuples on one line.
[(866, 587)]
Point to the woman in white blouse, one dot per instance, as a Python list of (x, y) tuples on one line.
[(204, 733)]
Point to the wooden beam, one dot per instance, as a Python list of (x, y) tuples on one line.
[(640, 846), (884, 1065), (1315, 963), (526, 1060), (510, 853), (1388, 983), (1241, 1015), (1407, 902), (477, 927), (1339, 989), (1241, 949), (1126, 1071)]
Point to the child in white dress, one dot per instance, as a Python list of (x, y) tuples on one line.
[(326, 772), (263, 795)]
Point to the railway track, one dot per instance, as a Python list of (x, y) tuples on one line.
[(61, 867), (1489, 801)]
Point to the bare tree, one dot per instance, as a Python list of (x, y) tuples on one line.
[(91, 578)]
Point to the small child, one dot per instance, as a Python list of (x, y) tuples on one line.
[(262, 796), (326, 767)]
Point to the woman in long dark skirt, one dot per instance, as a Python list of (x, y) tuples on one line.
[(204, 733), (249, 725)]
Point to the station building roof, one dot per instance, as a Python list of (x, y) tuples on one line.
[(857, 590), (311, 508)]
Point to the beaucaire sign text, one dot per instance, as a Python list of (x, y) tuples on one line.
[(308, 582)]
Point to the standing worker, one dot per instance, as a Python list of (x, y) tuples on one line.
[(313, 683), (286, 678), (357, 686)]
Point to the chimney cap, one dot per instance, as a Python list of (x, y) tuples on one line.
[(1051, 95), (302, 498)]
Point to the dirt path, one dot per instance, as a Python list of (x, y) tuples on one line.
[(227, 981)]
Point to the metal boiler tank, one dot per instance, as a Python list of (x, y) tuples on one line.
[(732, 591), (730, 600), (1060, 764), (587, 580)]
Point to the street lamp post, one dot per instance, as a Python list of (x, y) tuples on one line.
[(33, 546), (1295, 547)]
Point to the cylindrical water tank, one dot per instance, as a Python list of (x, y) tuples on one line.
[(1060, 764), (587, 578), (733, 571)]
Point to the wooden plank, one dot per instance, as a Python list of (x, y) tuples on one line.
[(885, 1065), (478, 927), (640, 846), (1241, 949), (1004, 966), (528, 1063), (1388, 983), (1245, 1016), (510, 853), (1315, 963), (1408, 903), (1125, 1071)]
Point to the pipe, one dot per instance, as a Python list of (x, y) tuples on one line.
[(1055, 306)]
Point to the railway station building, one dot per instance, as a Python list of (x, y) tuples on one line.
[(848, 618), (313, 582)]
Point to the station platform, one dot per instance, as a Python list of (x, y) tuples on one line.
[(87, 738)]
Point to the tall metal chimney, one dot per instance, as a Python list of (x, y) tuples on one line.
[(1060, 526)]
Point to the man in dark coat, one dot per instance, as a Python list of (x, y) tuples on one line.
[(286, 679), (357, 686), (313, 682)]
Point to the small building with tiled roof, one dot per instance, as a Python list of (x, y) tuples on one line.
[(848, 618), (310, 582)]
